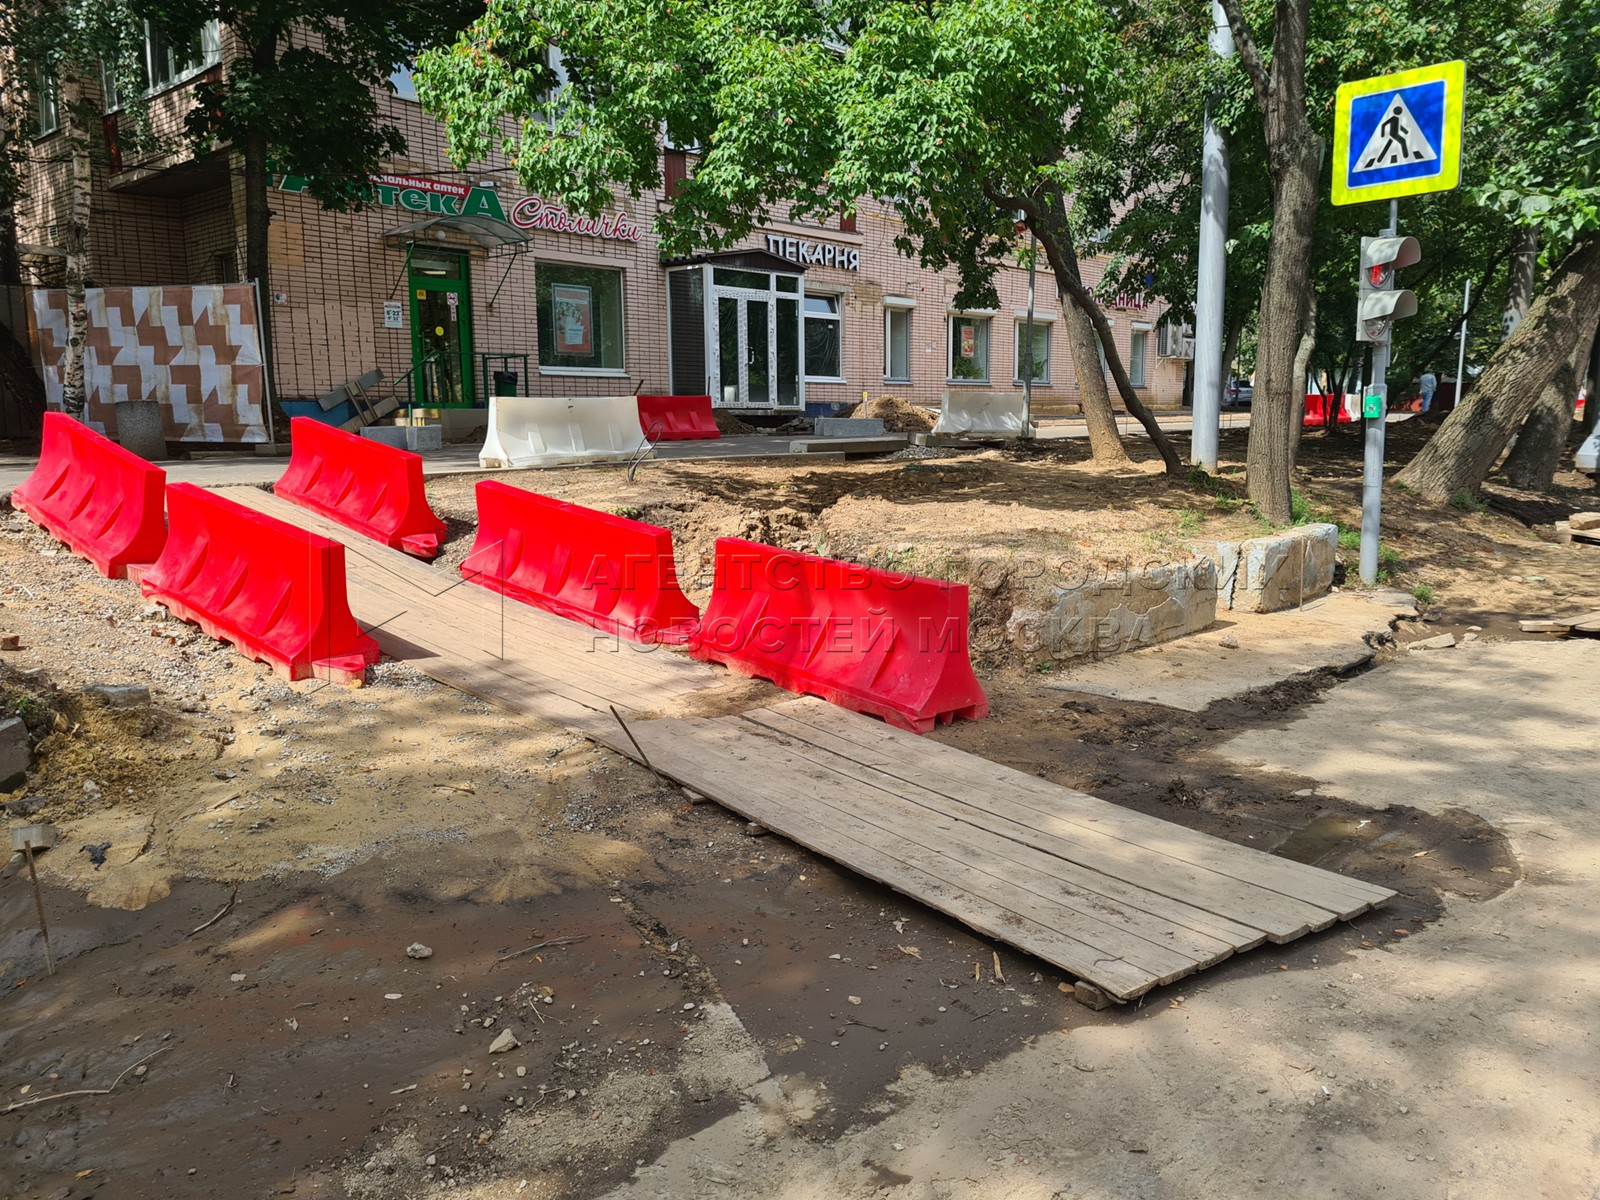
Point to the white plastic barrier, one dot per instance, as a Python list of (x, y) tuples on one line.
[(1589, 452), (987, 414), (549, 431)]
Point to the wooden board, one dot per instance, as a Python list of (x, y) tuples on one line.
[(1123, 900), (478, 641)]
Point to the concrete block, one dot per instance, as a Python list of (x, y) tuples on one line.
[(389, 435), (424, 437), (1584, 520), (887, 444), (848, 427), (1443, 641), (139, 428), (1286, 569), (124, 697), (16, 754), (1120, 612)]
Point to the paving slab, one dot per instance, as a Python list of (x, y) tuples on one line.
[(1244, 653)]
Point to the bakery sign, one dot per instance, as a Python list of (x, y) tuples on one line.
[(446, 198), (817, 254)]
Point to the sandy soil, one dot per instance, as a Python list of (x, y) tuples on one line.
[(684, 1014)]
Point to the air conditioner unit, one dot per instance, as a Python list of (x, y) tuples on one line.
[(1174, 341)]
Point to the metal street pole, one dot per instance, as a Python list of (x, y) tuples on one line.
[(1212, 271), (1372, 466), (1461, 353), (1027, 378)]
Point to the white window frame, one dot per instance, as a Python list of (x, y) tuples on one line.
[(1142, 380), (1046, 320), (1100, 348), (210, 56), (806, 317), (47, 99), (893, 305), (585, 372), (986, 316)]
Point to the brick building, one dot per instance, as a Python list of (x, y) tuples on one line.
[(449, 277)]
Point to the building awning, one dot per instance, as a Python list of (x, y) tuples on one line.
[(489, 232), (746, 260)]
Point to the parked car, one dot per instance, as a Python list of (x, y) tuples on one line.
[(1239, 394)]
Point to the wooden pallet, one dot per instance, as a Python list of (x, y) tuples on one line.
[(1120, 899)]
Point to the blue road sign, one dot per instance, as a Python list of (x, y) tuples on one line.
[(1399, 135)]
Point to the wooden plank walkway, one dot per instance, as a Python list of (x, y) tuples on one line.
[(1111, 896), (1121, 899), (520, 658)]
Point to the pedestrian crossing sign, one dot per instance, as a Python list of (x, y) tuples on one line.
[(1399, 135)]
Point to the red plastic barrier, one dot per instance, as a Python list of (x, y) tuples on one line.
[(604, 570), (677, 418), (102, 501), (372, 488), (1319, 405), (274, 591), (872, 641)]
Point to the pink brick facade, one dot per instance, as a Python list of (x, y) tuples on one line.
[(332, 274)]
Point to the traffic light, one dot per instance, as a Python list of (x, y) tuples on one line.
[(1381, 303)]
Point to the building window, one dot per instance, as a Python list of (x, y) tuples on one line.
[(49, 105), (580, 317), (969, 349), (1138, 353), (167, 63), (897, 345), (1041, 351), (822, 337)]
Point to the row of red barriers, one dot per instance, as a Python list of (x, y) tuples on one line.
[(1320, 404), (872, 641), (677, 418), (274, 591), (607, 571), (102, 501), (370, 487)]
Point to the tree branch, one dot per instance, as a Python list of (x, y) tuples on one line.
[(1245, 44)]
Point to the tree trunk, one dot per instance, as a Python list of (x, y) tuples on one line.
[(1230, 348), (1532, 463), (1458, 458), (1049, 216), (1105, 441), (1294, 160), (1519, 281), (1285, 299), (75, 240), (257, 221)]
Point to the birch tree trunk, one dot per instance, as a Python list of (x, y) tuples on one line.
[(75, 239)]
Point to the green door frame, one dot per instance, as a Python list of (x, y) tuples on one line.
[(462, 290)]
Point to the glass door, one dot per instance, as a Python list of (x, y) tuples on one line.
[(441, 329), (746, 334)]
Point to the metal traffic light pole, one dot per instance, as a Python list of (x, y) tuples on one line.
[(1372, 466)]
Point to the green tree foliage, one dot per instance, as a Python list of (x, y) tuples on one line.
[(959, 114)]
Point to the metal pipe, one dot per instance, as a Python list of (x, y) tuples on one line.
[(1372, 464), (1212, 272)]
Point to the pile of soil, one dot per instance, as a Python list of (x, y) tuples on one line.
[(730, 426), (897, 415)]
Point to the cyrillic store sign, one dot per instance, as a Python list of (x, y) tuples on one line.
[(820, 254), (445, 198)]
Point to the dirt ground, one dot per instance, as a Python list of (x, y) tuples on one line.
[(674, 982)]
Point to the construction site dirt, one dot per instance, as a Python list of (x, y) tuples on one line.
[(234, 1003)]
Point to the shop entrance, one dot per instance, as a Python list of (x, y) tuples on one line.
[(755, 339), (441, 329)]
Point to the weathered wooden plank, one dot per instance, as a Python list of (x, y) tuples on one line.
[(791, 811), (984, 785)]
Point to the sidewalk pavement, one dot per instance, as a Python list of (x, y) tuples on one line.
[(225, 469)]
